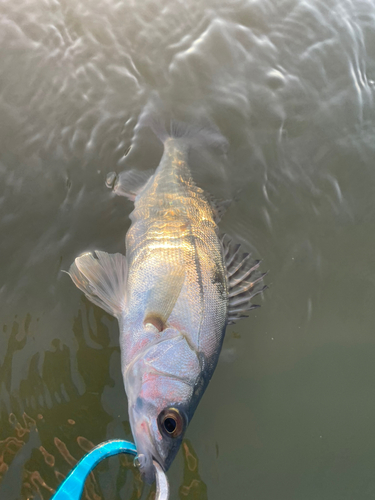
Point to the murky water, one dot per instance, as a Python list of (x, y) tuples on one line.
[(290, 411)]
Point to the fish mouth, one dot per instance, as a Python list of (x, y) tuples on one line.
[(146, 450), (146, 465)]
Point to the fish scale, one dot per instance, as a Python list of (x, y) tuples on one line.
[(162, 236), (170, 295)]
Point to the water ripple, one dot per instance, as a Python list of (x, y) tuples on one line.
[(290, 83)]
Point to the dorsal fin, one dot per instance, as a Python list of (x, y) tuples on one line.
[(244, 279), (219, 207)]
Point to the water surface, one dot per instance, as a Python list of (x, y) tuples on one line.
[(289, 413)]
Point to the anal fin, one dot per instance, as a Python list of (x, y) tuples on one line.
[(129, 183), (102, 277), (244, 280)]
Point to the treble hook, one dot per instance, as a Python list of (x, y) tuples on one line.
[(72, 487)]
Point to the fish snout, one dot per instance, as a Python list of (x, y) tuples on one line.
[(146, 450)]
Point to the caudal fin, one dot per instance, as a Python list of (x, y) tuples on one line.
[(196, 131), (197, 134)]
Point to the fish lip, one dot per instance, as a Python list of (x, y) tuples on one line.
[(153, 453), (155, 459), (156, 456), (145, 472)]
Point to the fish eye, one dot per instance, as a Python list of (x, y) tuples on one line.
[(171, 422)]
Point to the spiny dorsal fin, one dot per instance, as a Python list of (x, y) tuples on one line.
[(219, 207), (129, 183), (102, 277), (244, 279)]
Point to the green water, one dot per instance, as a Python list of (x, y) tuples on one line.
[(289, 412)]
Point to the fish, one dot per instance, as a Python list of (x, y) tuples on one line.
[(174, 293)]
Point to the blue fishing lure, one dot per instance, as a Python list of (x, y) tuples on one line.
[(72, 487)]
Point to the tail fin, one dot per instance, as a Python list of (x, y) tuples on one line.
[(206, 145), (201, 133)]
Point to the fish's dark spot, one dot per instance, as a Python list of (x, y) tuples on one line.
[(217, 279), (139, 404)]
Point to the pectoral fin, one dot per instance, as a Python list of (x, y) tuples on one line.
[(102, 278), (163, 297), (244, 280), (129, 183)]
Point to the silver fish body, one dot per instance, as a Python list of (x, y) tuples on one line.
[(175, 257), (172, 296)]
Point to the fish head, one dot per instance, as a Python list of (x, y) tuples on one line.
[(160, 389), (158, 426)]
